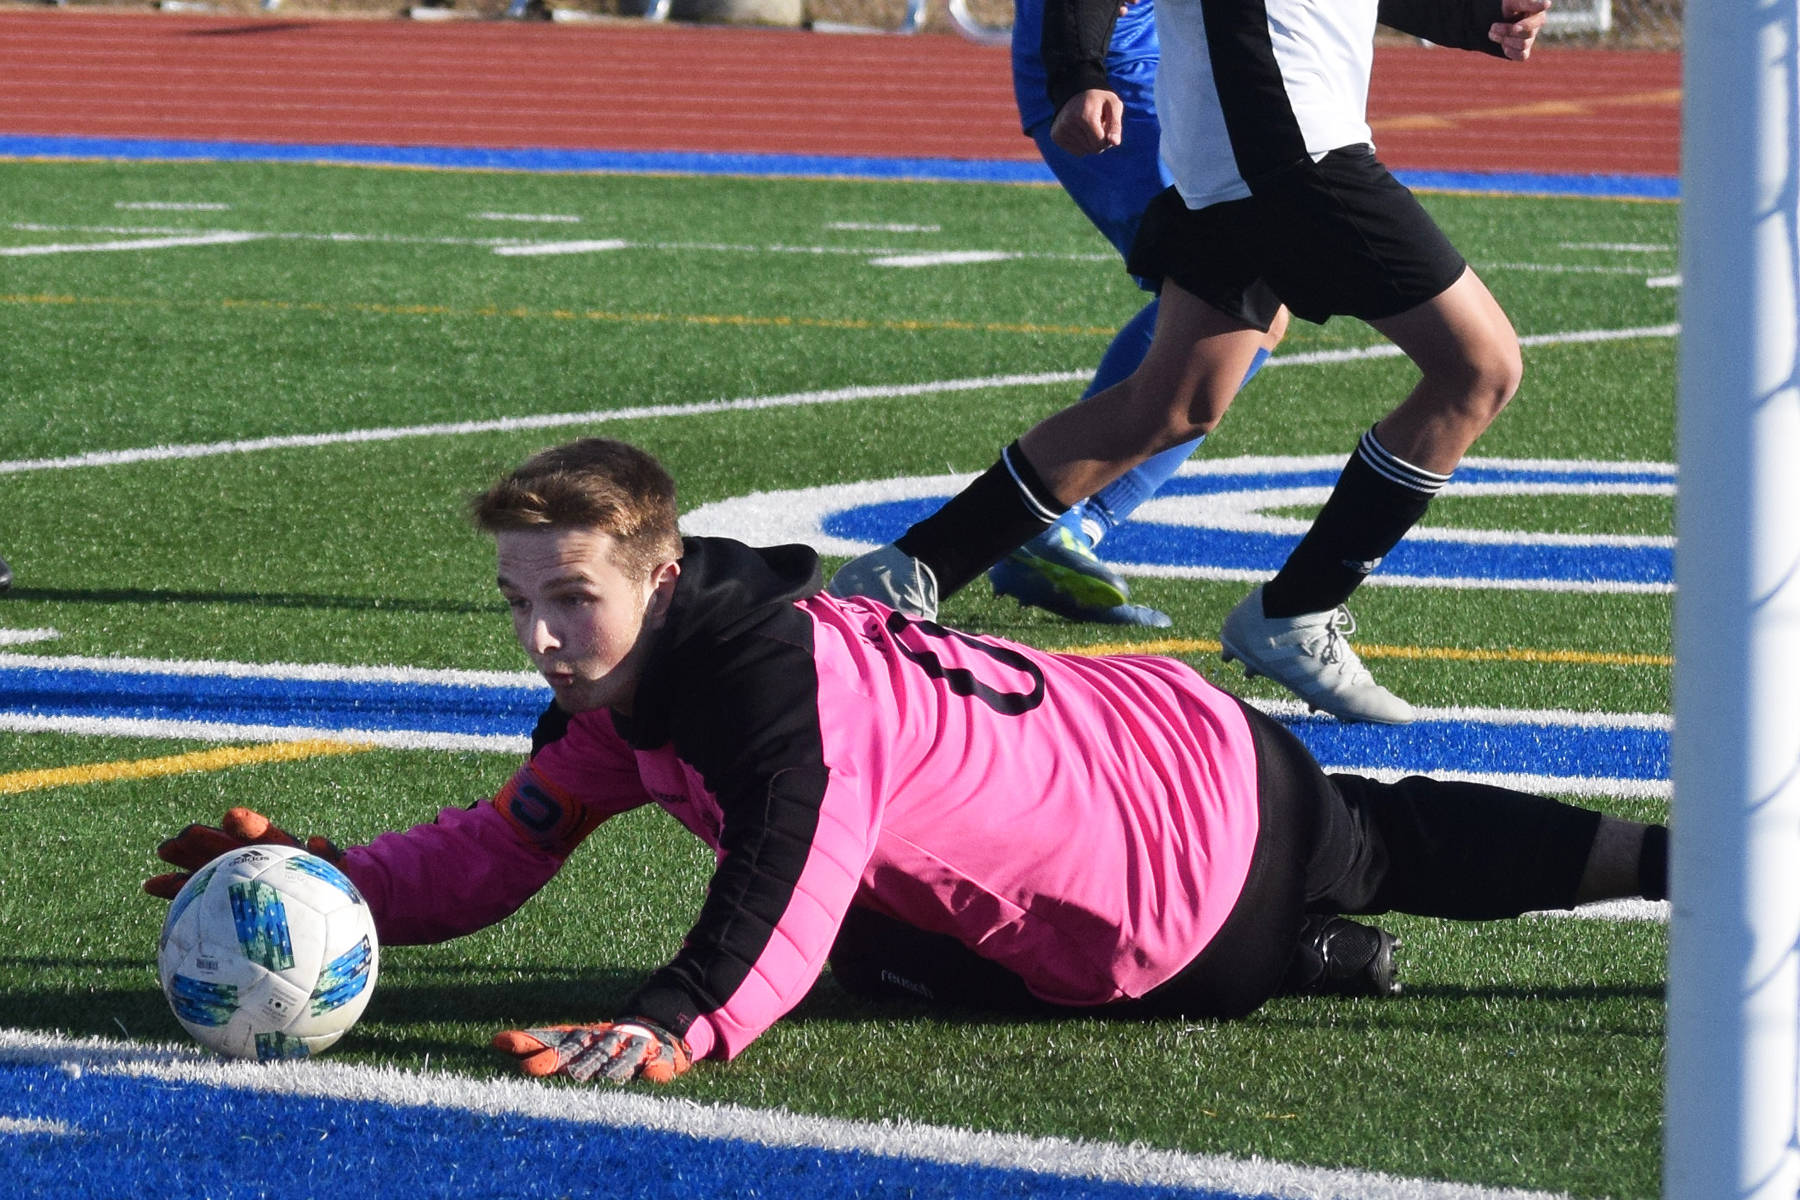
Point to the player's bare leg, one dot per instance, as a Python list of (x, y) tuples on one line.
[(1468, 355), (1182, 389), (1293, 629), (1197, 359)]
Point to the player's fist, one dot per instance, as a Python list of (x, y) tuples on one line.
[(619, 1051), (1090, 122), (1518, 31), (198, 845)]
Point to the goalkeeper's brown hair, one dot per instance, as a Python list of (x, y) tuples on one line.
[(607, 486)]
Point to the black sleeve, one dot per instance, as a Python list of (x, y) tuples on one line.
[(1459, 24), (551, 725), (1074, 43), (755, 739)]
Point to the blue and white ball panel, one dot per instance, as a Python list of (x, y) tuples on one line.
[(344, 978), (323, 871), (261, 919)]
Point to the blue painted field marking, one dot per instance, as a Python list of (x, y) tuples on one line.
[(942, 170), (1625, 755), (1215, 521), (97, 1117), (345, 705), (157, 1137)]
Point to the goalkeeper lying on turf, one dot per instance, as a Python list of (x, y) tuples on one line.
[(950, 816)]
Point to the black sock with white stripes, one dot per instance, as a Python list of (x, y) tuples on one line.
[(1377, 499), (1005, 507)]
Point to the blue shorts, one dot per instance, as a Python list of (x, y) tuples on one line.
[(1113, 189)]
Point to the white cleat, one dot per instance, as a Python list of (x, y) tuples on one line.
[(898, 580), (1310, 657)]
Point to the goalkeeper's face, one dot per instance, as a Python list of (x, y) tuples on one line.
[(584, 619)]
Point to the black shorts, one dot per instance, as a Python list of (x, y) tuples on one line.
[(1339, 237)]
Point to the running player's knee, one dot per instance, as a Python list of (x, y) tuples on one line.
[(1481, 381)]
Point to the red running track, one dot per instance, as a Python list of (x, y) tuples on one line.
[(628, 86)]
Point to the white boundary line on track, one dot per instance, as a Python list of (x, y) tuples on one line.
[(113, 458), (1128, 1164)]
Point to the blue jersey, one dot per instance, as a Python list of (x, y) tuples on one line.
[(1130, 61), (1114, 188)]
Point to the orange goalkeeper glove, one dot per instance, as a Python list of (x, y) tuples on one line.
[(198, 845), (619, 1051)]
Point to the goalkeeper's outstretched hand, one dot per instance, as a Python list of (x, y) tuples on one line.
[(619, 1051), (198, 845)]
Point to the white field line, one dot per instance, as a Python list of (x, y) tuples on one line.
[(529, 218), (882, 256), (1654, 911), (1482, 716), (590, 246), (311, 672), (222, 731), (941, 258), (12, 1126), (20, 637), (1455, 583), (108, 458), (518, 245), (171, 206), (881, 227), (1265, 463), (1560, 268), (620, 1108), (1622, 247), (1574, 337), (112, 458), (149, 243)]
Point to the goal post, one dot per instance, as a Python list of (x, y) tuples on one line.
[(1733, 1075)]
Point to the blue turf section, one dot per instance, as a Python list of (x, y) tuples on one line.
[(1541, 748), (1633, 187), (1591, 562), (285, 703), (149, 1137)]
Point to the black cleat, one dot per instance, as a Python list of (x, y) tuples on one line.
[(5, 575), (1340, 957)]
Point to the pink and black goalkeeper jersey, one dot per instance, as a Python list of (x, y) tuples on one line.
[(1085, 822)]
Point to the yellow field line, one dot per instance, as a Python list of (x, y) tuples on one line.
[(599, 316), (1662, 97), (175, 764), (1585, 658)]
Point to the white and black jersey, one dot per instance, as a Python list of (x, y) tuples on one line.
[(1248, 88), (1278, 196)]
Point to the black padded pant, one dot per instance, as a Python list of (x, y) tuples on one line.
[(1326, 844)]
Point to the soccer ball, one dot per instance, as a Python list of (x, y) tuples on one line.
[(268, 953)]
